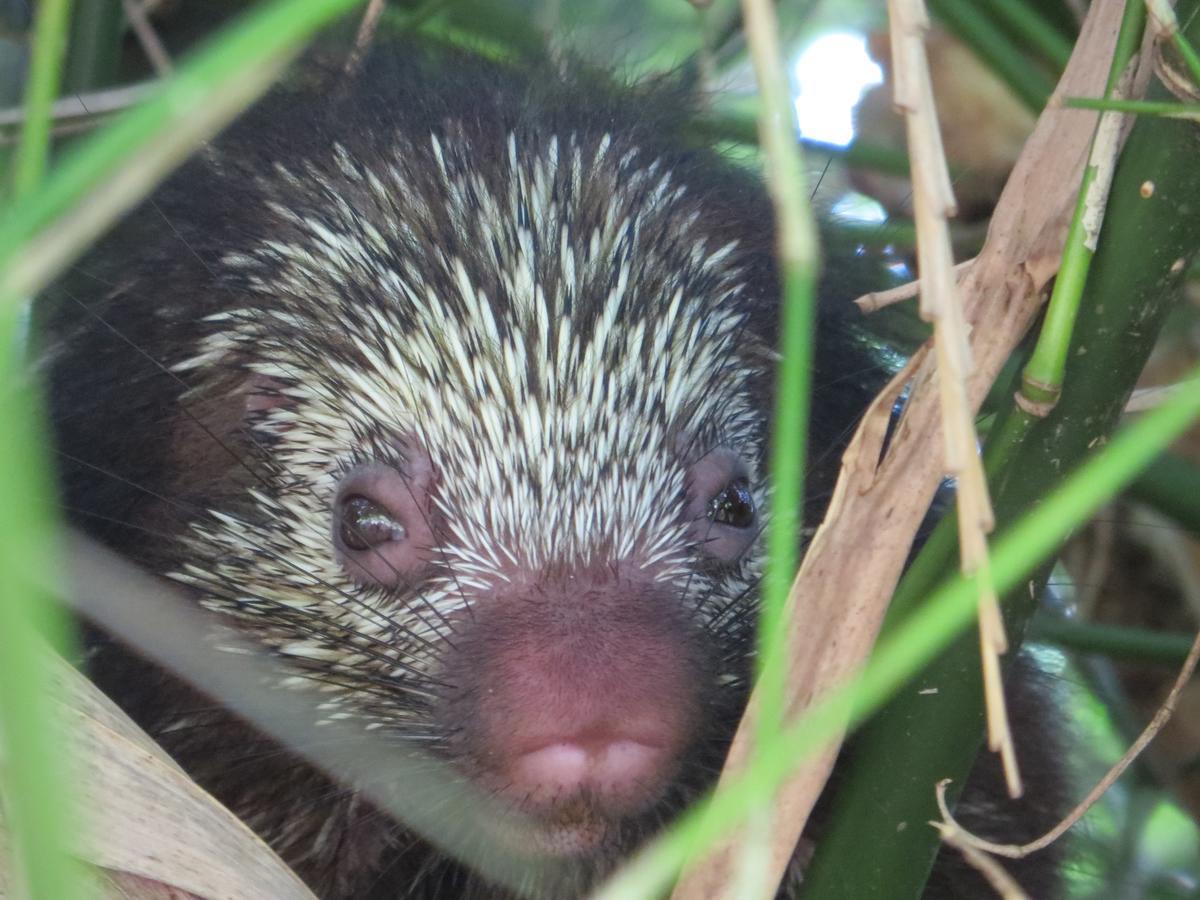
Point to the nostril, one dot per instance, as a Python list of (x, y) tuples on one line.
[(615, 770)]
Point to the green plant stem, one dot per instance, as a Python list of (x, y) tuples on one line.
[(1172, 486), (1141, 107), (911, 645), (1190, 58), (1042, 378), (1119, 642), (95, 45), (33, 786), (919, 739), (967, 20), (1034, 30), (49, 40)]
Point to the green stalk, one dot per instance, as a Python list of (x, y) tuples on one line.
[(34, 782), (1190, 58), (45, 66), (1009, 62), (1166, 108), (33, 770), (1172, 486), (787, 499), (1140, 644), (1168, 23), (95, 45), (1034, 30), (1031, 540), (1042, 378), (112, 170)]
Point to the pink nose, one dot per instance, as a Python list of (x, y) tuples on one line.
[(577, 702)]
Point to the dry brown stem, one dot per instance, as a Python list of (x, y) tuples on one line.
[(876, 300), (135, 12), (77, 112), (941, 304), (1002, 883)]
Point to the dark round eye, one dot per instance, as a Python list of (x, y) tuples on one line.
[(734, 506), (365, 524)]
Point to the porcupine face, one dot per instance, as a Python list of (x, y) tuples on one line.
[(504, 399)]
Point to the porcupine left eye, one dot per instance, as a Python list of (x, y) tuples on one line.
[(366, 524), (382, 531), (734, 506)]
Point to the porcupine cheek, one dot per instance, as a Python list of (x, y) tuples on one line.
[(575, 701)]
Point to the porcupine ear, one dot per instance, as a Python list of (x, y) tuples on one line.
[(213, 438), (262, 394)]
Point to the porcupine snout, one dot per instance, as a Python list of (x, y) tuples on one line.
[(575, 697)]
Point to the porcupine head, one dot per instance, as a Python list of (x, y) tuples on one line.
[(498, 357)]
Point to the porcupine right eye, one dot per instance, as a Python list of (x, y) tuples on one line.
[(734, 506), (720, 505), (382, 531)]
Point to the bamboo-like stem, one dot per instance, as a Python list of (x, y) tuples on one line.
[(1167, 25), (920, 738), (1041, 381)]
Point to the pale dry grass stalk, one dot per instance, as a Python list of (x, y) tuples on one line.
[(877, 300), (365, 36), (940, 303), (152, 46)]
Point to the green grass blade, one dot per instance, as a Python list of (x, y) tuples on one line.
[(797, 252), (52, 219), (33, 782), (45, 68), (115, 168), (969, 21)]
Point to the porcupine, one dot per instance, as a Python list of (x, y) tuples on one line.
[(451, 384)]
